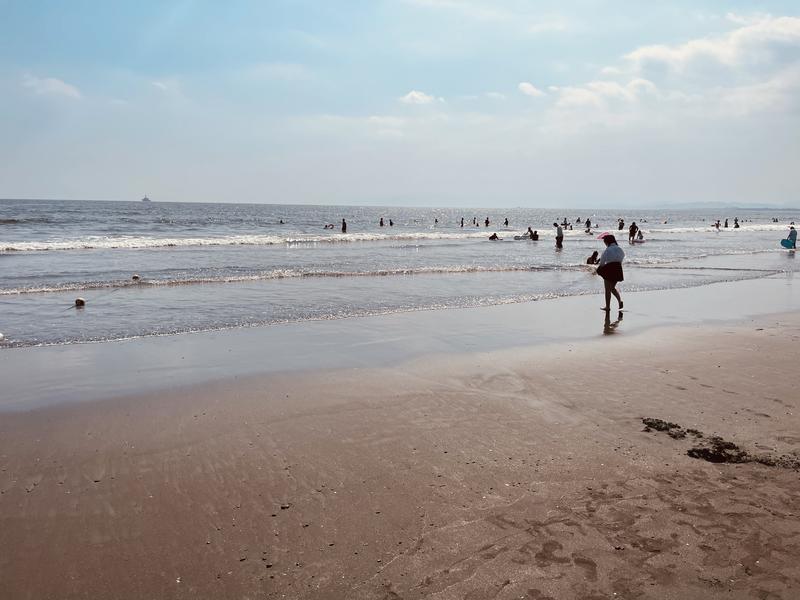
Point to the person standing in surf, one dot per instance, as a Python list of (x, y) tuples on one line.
[(632, 232), (344, 226), (792, 237), (559, 235), (610, 269)]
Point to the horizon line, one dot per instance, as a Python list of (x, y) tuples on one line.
[(680, 206)]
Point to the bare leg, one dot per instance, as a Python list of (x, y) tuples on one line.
[(616, 295), (609, 287)]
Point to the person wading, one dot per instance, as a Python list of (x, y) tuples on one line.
[(610, 269), (559, 235)]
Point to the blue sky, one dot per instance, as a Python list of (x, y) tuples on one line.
[(419, 102)]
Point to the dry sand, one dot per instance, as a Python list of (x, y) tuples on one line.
[(510, 474)]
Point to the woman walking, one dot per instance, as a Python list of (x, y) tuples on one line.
[(610, 269)]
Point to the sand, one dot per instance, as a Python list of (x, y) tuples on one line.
[(519, 473)]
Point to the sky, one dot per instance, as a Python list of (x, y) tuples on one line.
[(402, 102)]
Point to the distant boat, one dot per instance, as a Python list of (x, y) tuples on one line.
[(145, 199)]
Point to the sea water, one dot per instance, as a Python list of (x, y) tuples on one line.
[(203, 267)]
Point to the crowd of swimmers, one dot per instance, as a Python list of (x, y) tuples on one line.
[(382, 223), (634, 232), (735, 223)]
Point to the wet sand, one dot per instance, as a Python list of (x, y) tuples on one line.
[(517, 473), (41, 376)]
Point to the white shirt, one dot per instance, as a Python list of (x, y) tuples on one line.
[(612, 254), (559, 231)]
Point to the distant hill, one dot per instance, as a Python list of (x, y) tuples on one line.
[(724, 206)]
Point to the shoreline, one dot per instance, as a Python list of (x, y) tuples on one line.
[(500, 473), (36, 377)]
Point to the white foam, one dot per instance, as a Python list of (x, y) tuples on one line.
[(134, 242), (709, 228), (143, 242), (279, 274)]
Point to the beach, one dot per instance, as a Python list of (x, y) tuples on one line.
[(510, 462), (411, 300)]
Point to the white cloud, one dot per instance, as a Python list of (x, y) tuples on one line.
[(50, 86), (777, 94), (578, 97), (417, 97), (756, 41), (746, 19), (530, 90), (640, 87), (604, 105), (495, 95), (755, 67), (611, 71)]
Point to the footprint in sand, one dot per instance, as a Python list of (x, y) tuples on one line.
[(547, 555), (535, 594), (587, 564), (491, 551)]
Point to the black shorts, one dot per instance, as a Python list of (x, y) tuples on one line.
[(611, 272)]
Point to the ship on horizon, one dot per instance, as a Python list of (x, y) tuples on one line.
[(145, 199)]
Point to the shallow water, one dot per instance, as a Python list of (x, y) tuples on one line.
[(214, 266)]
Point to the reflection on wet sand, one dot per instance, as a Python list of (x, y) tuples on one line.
[(609, 327)]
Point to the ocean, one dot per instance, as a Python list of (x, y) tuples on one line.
[(203, 267)]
